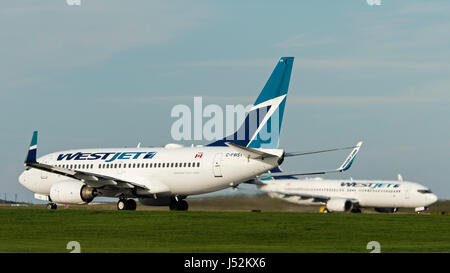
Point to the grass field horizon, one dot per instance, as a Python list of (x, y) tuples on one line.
[(42, 230)]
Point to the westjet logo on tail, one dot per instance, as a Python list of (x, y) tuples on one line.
[(108, 157)]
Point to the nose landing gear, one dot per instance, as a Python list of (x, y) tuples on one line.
[(52, 206)]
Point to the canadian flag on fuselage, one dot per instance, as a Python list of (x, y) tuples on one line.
[(262, 125)]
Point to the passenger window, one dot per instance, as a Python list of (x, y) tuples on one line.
[(184, 165), (198, 164)]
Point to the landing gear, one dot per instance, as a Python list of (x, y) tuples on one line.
[(178, 205), (356, 210), (126, 204), (52, 206), (324, 210)]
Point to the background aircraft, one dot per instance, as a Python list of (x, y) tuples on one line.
[(345, 195)]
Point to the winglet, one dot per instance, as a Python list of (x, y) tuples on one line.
[(31, 155), (349, 160)]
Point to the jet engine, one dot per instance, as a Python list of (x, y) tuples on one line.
[(72, 192), (340, 205), (386, 210)]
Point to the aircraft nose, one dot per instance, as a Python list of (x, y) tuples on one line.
[(433, 198)]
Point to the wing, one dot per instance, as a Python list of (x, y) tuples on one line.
[(89, 178), (342, 168), (317, 198), (287, 154)]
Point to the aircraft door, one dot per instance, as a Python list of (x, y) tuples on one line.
[(216, 165)]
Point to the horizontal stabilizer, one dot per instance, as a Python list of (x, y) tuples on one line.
[(250, 152)]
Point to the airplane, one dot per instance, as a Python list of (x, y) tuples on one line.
[(344, 195), (165, 176)]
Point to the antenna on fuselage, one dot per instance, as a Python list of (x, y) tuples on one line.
[(399, 177), (139, 145)]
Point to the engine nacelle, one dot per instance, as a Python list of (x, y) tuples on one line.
[(386, 210), (72, 192), (339, 204), (160, 201)]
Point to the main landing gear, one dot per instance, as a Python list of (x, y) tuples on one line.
[(52, 206), (178, 204), (126, 204)]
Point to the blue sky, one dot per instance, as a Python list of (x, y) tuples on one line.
[(107, 74)]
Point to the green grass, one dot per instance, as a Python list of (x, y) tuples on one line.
[(41, 230)]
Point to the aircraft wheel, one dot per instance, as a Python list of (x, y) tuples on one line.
[(130, 204), (357, 210), (179, 205), (122, 204), (183, 205), (52, 206)]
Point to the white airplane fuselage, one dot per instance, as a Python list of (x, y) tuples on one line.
[(184, 171), (366, 193)]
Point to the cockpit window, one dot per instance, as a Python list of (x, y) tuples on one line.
[(424, 191)]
